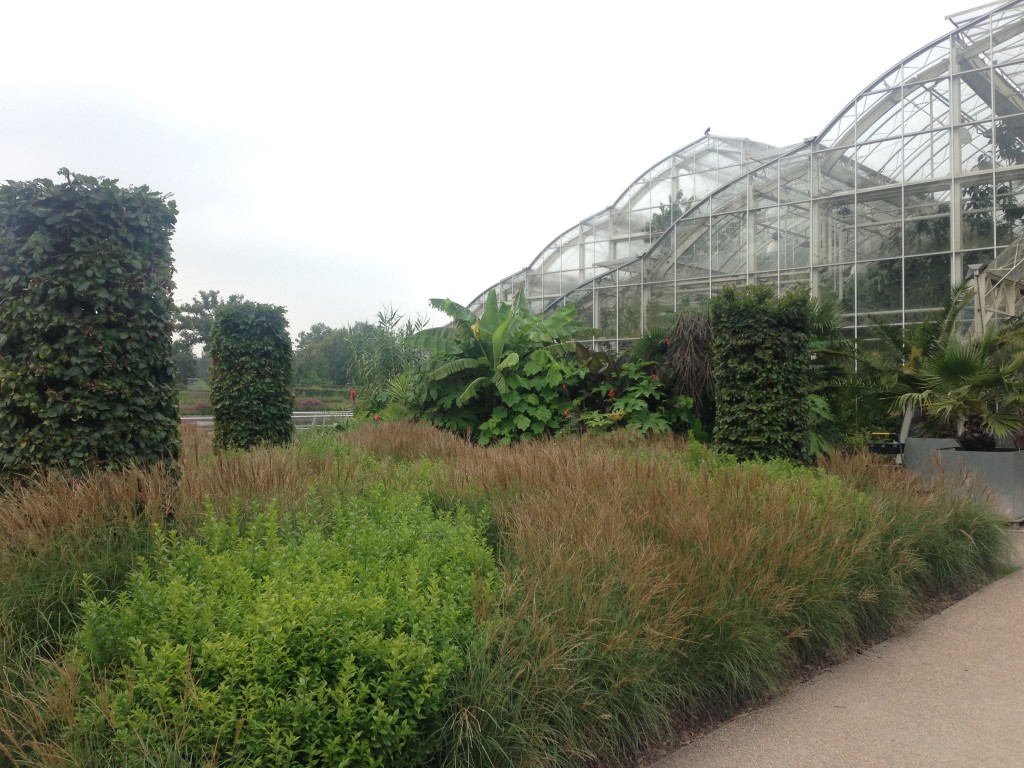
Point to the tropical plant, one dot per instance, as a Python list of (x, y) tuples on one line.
[(688, 369), (501, 375), (970, 387)]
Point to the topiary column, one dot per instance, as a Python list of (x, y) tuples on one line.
[(761, 373), (86, 316), (250, 379)]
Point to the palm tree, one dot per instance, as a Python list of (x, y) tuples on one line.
[(968, 386)]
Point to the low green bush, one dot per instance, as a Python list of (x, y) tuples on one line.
[(288, 641)]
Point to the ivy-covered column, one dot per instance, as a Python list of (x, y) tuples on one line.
[(761, 373), (86, 316), (250, 378)]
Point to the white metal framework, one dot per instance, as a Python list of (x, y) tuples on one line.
[(917, 185)]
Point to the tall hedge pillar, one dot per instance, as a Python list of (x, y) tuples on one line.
[(761, 372), (250, 378), (86, 316)]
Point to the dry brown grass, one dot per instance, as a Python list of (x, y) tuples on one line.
[(642, 581)]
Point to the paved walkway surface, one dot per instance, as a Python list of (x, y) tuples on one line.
[(948, 693)]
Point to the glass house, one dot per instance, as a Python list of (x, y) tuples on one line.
[(914, 187)]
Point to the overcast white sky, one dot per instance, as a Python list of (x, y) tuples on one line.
[(339, 157)]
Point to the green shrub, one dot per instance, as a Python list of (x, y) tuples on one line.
[(288, 642), (761, 373), (86, 378), (250, 381)]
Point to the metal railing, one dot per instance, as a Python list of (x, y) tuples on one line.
[(301, 419)]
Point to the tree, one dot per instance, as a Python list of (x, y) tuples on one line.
[(194, 319), (323, 356), (86, 378), (185, 362)]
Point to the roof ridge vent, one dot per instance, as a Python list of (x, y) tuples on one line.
[(962, 18)]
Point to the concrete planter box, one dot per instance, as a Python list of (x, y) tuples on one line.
[(1000, 472)]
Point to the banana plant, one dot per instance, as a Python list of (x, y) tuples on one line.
[(489, 348)]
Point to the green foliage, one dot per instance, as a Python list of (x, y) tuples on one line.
[(289, 641), (970, 387), (500, 376), (627, 395), (761, 373), (86, 377), (194, 319), (323, 357), (688, 370), (251, 377)]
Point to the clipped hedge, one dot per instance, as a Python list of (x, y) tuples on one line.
[(86, 316), (762, 369), (250, 377), (289, 641)]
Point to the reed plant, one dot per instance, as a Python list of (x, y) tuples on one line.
[(645, 585)]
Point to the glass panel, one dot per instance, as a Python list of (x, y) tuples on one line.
[(978, 228), (879, 115), (926, 156), (729, 243), (884, 158), (732, 198), (927, 227), (552, 285), (1009, 141), (840, 234), (842, 133), (890, 80), (794, 178), (879, 226), (975, 97), (606, 312), (1007, 89), (880, 288), (550, 258), (926, 106), (837, 281), (969, 51), (718, 283), (929, 63), (975, 146), (834, 173), (619, 224), (1008, 46), (927, 281), (1009, 213), (794, 240), (629, 311), (766, 245), (660, 305), (640, 200), (694, 247)]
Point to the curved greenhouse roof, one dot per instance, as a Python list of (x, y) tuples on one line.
[(915, 186)]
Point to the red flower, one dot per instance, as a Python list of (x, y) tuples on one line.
[(611, 393), (352, 395), (376, 417)]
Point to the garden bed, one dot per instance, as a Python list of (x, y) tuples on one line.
[(635, 587)]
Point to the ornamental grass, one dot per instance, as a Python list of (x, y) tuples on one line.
[(643, 589)]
